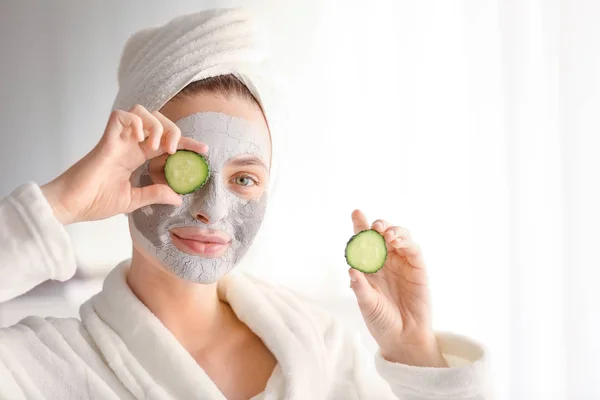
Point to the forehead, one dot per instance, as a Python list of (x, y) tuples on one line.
[(226, 136)]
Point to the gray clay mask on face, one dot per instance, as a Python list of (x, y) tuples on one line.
[(227, 137)]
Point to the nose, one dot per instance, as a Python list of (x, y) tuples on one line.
[(202, 217), (209, 205)]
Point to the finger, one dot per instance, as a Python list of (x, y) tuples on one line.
[(152, 126), (364, 292), (186, 143), (359, 221), (380, 225), (153, 194), (411, 250), (396, 232), (124, 123), (171, 133)]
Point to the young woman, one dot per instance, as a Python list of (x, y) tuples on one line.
[(172, 322)]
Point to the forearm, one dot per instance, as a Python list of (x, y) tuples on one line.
[(34, 245)]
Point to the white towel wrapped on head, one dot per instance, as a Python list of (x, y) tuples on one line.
[(158, 62)]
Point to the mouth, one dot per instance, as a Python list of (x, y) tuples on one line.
[(200, 242)]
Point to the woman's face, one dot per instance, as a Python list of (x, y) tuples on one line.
[(207, 235)]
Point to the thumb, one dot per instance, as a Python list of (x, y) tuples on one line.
[(359, 221), (153, 194), (364, 292)]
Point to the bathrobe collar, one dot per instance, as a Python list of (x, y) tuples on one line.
[(152, 364)]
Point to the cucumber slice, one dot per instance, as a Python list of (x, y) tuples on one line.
[(366, 251), (186, 171)]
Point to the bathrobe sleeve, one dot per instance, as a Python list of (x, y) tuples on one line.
[(465, 379), (356, 373), (34, 246)]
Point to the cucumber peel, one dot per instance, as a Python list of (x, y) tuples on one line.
[(366, 251), (186, 171)]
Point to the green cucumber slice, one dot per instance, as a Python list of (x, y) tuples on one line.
[(366, 251), (186, 171)]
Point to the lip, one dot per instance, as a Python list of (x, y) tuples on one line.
[(200, 242), (201, 235)]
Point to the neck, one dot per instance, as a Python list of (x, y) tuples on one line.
[(192, 312)]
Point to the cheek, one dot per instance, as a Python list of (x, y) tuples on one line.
[(152, 215), (247, 218), (250, 193), (147, 220), (144, 221)]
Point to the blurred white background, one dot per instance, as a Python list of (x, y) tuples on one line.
[(473, 123)]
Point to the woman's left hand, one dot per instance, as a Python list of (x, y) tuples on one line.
[(395, 301)]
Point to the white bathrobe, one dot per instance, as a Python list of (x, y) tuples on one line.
[(120, 350)]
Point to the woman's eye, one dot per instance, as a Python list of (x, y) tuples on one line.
[(244, 181)]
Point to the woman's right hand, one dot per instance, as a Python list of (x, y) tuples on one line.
[(98, 186)]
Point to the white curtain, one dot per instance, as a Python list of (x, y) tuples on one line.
[(473, 123)]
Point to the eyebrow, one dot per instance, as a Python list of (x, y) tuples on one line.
[(244, 162)]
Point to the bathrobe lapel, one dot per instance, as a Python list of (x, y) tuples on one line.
[(152, 364)]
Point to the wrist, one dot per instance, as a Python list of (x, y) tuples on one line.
[(54, 193), (423, 355)]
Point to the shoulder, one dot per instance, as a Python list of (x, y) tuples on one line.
[(35, 324), (46, 338), (51, 341), (32, 331), (48, 354)]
